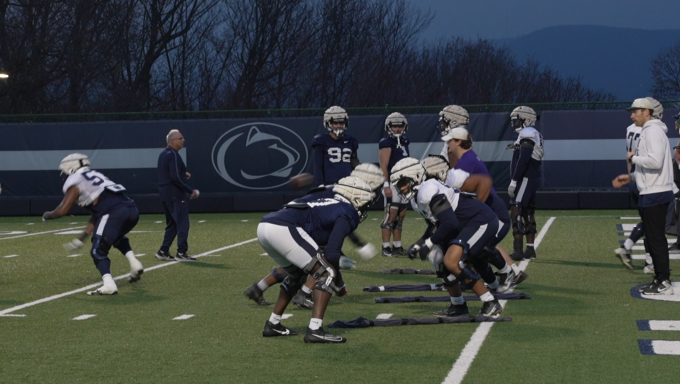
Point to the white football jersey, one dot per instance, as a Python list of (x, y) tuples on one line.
[(455, 178), (530, 133), (91, 184), (426, 192), (632, 137)]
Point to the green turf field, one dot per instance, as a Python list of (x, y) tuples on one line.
[(579, 327)]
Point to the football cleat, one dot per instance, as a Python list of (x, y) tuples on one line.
[(674, 249), (624, 254), (398, 251), (505, 280), (387, 251), (184, 257), (649, 269), (303, 300), (104, 290), (520, 278), (136, 270), (320, 336), (164, 255), (453, 311), (254, 293), (530, 253), (273, 330), (491, 309), (658, 288)]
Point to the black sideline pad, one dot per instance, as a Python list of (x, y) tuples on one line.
[(363, 322)]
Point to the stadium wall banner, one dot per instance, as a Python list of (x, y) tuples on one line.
[(583, 150)]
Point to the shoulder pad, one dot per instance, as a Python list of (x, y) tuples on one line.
[(427, 191), (455, 178)]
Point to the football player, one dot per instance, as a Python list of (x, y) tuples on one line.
[(335, 152), (463, 227), (525, 175), (632, 141), (393, 148), (113, 216), (373, 176), (459, 146), (292, 237)]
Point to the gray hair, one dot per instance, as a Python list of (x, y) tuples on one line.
[(170, 135)]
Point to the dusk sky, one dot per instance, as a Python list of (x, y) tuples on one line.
[(497, 19)]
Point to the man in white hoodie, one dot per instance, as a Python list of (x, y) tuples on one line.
[(654, 178)]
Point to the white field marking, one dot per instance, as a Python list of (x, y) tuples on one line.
[(30, 223), (468, 354), (642, 256), (157, 222), (75, 255), (145, 231), (664, 325), (285, 316), (75, 232), (8, 256), (384, 316), (666, 347), (213, 255), (83, 317), (40, 233), (264, 254), (92, 286), (183, 317), (201, 221), (140, 255), (74, 223), (628, 227), (244, 221), (12, 315), (5, 233), (630, 218)]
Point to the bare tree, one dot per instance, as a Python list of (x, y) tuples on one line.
[(665, 68)]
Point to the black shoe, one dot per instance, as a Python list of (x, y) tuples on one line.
[(320, 336), (164, 255), (303, 300), (398, 251), (530, 253), (453, 311), (272, 330), (387, 251), (491, 309), (520, 278), (184, 257), (254, 293), (658, 288)]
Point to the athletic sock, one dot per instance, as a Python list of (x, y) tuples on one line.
[(386, 245), (262, 285), (530, 245), (628, 244), (515, 269), (396, 244), (315, 324), (457, 300), (130, 256), (274, 318), (108, 280), (485, 298), (306, 290), (505, 269)]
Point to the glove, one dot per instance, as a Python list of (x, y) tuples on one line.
[(413, 250), (425, 249), (73, 245), (46, 216), (511, 188), (367, 251)]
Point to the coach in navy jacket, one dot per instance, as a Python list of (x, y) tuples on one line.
[(175, 194)]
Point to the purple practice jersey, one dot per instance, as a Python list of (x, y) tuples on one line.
[(399, 149), (332, 158), (472, 164)]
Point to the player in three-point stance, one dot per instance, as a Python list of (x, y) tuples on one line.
[(113, 216), (525, 175), (292, 237)]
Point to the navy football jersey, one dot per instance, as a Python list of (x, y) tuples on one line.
[(399, 150), (332, 157), (327, 221), (315, 194)]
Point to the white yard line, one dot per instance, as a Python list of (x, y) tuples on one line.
[(467, 356), (41, 233), (91, 286)]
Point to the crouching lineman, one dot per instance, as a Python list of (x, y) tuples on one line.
[(525, 174), (292, 237), (113, 216), (373, 176), (463, 227)]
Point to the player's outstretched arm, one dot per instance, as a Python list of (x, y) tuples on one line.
[(65, 205)]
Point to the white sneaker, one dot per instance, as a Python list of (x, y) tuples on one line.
[(136, 270), (109, 287), (649, 269)]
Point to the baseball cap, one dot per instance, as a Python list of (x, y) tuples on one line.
[(458, 133), (642, 103)]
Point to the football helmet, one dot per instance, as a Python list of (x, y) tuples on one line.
[(370, 173), (396, 119), (407, 172), (452, 116), (73, 162), (356, 192), (336, 114), (522, 117), (435, 167), (658, 108)]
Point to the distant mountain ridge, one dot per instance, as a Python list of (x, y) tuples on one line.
[(615, 60)]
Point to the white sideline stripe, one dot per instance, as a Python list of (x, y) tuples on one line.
[(666, 347), (74, 223), (83, 317), (244, 221), (285, 316), (140, 255), (74, 232), (76, 255), (201, 221), (183, 317), (12, 315), (630, 218), (468, 354), (384, 316), (157, 222), (40, 233), (664, 325), (264, 254), (642, 256), (91, 286), (30, 223), (8, 256)]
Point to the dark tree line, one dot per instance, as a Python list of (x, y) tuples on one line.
[(665, 68), (76, 56)]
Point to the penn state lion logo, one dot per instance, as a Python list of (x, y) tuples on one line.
[(259, 155)]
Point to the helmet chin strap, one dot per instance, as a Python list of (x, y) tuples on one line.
[(398, 140)]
